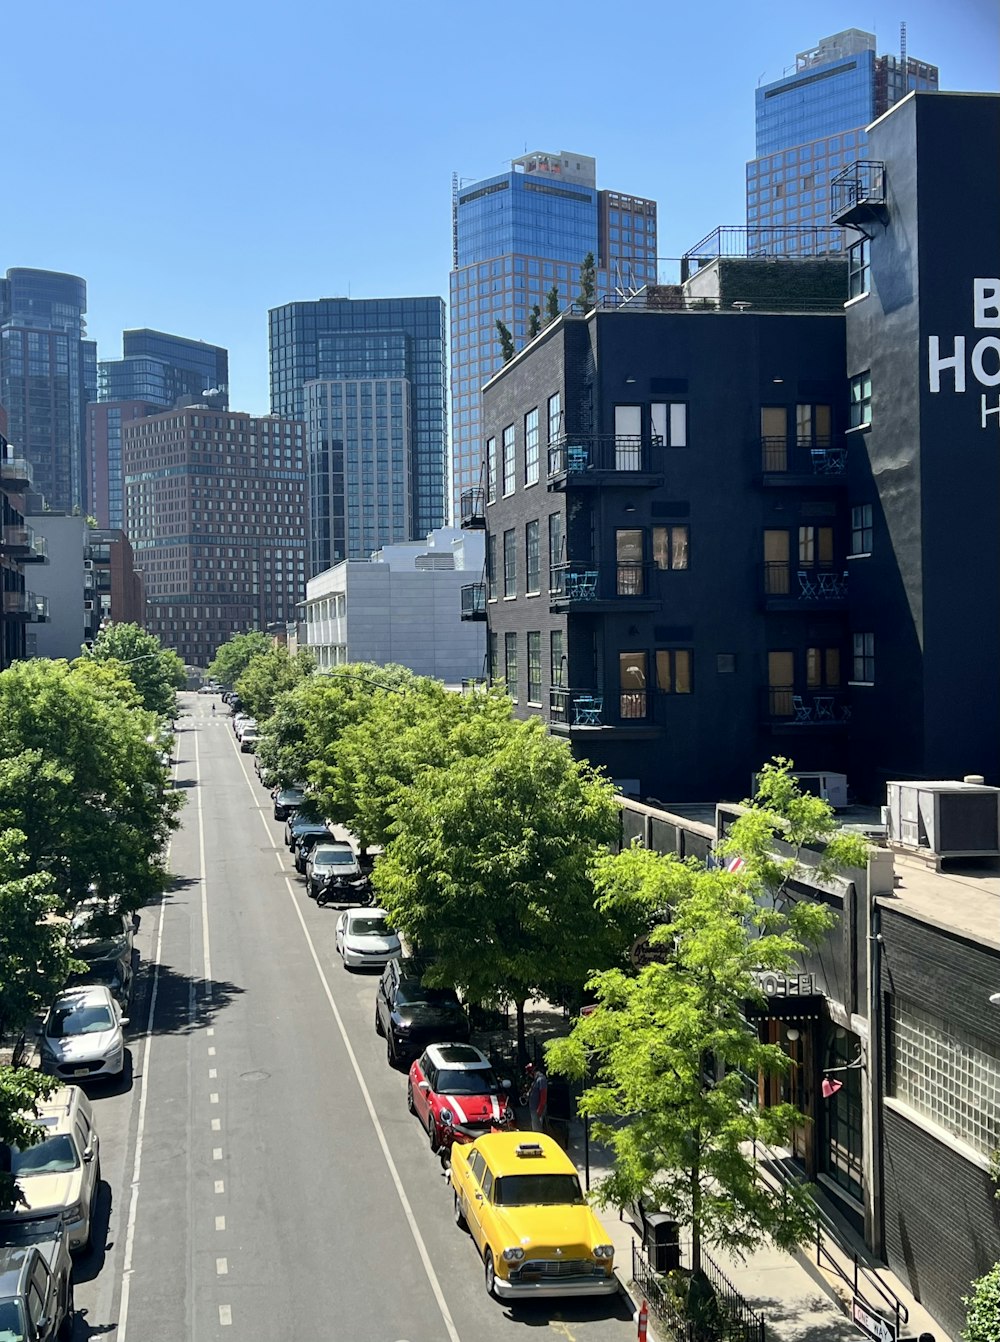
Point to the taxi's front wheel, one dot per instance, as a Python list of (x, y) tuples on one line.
[(491, 1276), (460, 1220)]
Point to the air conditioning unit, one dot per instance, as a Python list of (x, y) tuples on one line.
[(88, 605), (88, 564), (947, 819)]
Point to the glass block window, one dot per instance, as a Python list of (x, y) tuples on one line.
[(946, 1074)]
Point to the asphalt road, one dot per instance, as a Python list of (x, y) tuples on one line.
[(262, 1177)]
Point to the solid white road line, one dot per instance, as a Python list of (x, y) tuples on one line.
[(411, 1219), (207, 987)]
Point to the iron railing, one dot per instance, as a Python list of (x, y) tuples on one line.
[(576, 708), (861, 183), (576, 582), (18, 603), (576, 454), (807, 708), (472, 508), (736, 1321), (778, 457), (474, 601), (820, 584), (754, 240), (16, 471)]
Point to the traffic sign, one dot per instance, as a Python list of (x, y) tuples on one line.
[(871, 1324)]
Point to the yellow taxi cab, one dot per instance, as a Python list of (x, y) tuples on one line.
[(522, 1203)]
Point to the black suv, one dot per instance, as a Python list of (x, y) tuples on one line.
[(36, 1285), (410, 1016)]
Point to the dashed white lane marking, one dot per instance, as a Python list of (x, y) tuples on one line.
[(217, 1153), (221, 1267), (213, 1072), (216, 1124), (220, 1223), (220, 1185), (211, 1050), (225, 1315), (210, 1031), (214, 1097)]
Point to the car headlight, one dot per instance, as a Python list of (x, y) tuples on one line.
[(446, 1117), (402, 1027), (604, 1251), (71, 1214), (513, 1255)]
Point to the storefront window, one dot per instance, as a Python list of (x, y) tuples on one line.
[(844, 1142)]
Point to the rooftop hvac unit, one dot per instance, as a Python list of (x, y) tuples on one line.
[(948, 819)]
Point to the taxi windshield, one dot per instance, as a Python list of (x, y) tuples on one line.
[(470, 1081), (537, 1190)]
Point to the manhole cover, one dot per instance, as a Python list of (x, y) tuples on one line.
[(255, 1076)]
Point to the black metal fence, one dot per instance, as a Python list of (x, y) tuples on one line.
[(735, 1320)]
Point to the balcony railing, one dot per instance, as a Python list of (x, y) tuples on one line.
[(16, 473), (578, 457), (474, 601), (580, 584), (800, 461), (858, 192), (785, 585), (18, 604), (472, 509), (39, 609), (787, 705), (576, 708)]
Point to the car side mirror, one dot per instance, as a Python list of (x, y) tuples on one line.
[(88, 1155), (424, 1085), (124, 1020)]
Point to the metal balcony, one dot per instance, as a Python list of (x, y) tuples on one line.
[(474, 601), (15, 474), (39, 611), (817, 588), (626, 715), (18, 605), (472, 509), (604, 459), (857, 193), (786, 464), (598, 588), (787, 708)]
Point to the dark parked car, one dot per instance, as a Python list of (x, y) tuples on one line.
[(104, 941), (286, 801), (307, 841), (410, 1016), (36, 1284), (299, 824)]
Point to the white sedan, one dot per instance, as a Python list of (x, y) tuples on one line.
[(83, 1035), (365, 938)]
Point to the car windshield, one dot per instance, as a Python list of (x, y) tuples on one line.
[(535, 1190), (334, 857), (12, 1327), (291, 796), (470, 1081), (411, 993), (73, 1020), (103, 970), (369, 927), (54, 1155)]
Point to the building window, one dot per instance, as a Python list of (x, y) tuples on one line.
[(669, 423), (822, 667), (509, 464), (533, 562), (491, 470), (774, 437), (673, 670), (670, 547), (555, 417), (534, 667), (858, 268), (494, 668), (557, 658), (844, 1155), (813, 425), (628, 551), (510, 563), (632, 684), (531, 447), (555, 548), (861, 400), (510, 664), (864, 658), (816, 547), (861, 529), (943, 1072)]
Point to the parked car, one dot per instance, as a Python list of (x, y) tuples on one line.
[(457, 1080), (61, 1174), (249, 739), (299, 824), (307, 841), (106, 942), (410, 1016), (83, 1036), (242, 723), (523, 1205), (36, 1281), (287, 800), (365, 940), (333, 859)]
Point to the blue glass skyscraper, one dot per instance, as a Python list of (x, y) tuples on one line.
[(48, 373), (163, 369), (368, 377), (811, 122), (515, 237)]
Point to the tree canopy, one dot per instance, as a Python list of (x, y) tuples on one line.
[(234, 656), (156, 672), (268, 675), (982, 1323)]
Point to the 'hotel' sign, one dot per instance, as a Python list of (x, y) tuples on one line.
[(773, 984)]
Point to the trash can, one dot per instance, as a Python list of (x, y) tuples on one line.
[(662, 1241)]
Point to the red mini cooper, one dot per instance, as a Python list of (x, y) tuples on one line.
[(456, 1083)]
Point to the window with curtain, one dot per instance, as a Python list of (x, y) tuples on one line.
[(632, 687), (669, 423), (670, 546), (673, 670)]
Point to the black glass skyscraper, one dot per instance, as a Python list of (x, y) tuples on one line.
[(163, 369), (376, 425), (48, 373)]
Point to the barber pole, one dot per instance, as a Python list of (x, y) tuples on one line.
[(643, 1321)]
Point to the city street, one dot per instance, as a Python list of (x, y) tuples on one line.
[(262, 1175)]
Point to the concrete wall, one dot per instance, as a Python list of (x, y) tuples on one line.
[(62, 581)]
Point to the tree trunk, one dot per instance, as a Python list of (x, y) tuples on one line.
[(522, 1039), (696, 1205)]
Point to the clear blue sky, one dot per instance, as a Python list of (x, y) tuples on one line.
[(201, 161)]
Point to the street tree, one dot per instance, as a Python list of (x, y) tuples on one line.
[(552, 304), (20, 1090), (982, 1320), (268, 675), (488, 871), (156, 672), (506, 340), (235, 655), (588, 282), (34, 959), (81, 778)]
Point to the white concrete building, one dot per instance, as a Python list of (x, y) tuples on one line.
[(403, 605)]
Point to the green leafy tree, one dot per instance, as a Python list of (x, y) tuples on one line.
[(34, 959), (552, 304), (489, 870), (156, 672), (506, 340), (20, 1090), (534, 321), (982, 1320), (235, 655), (81, 778), (268, 675), (588, 282)]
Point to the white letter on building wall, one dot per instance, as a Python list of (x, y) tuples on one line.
[(982, 377), (986, 303), (991, 410), (936, 363)]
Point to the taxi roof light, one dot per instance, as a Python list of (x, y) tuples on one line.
[(529, 1149)]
